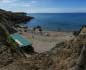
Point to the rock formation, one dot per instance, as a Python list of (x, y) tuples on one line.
[(10, 19), (8, 50), (68, 55)]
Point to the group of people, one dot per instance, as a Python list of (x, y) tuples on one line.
[(39, 30)]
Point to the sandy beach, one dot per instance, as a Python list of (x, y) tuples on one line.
[(42, 43)]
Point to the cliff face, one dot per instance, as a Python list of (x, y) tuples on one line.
[(8, 50), (9, 19), (17, 17), (70, 55)]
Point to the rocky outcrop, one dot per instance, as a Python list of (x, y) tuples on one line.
[(7, 56), (17, 17), (8, 48), (9, 19), (65, 56)]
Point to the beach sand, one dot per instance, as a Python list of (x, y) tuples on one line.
[(42, 43)]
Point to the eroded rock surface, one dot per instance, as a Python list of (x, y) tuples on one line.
[(62, 57)]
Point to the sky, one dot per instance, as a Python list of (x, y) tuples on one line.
[(44, 6)]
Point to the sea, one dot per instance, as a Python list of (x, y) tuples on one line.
[(57, 21)]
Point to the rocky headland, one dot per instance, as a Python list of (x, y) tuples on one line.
[(10, 19)]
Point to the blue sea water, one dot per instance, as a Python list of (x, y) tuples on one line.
[(58, 21)]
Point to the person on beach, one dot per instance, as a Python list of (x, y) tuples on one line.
[(33, 31), (37, 30), (40, 30)]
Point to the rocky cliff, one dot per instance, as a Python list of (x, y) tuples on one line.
[(8, 50), (9, 19), (68, 55)]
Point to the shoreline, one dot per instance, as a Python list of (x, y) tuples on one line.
[(51, 30)]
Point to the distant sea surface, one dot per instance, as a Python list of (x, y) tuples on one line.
[(58, 21)]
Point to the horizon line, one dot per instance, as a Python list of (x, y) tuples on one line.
[(56, 12)]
